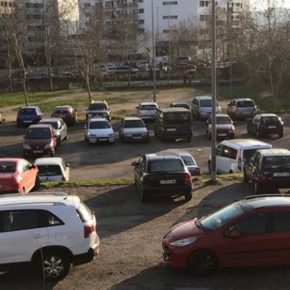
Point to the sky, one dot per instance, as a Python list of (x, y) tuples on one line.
[(262, 4)]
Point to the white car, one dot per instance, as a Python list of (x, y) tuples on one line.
[(59, 127), (48, 231), (147, 110), (201, 107), (52, 169), (99, 130)]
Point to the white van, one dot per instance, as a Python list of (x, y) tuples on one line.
[(232, 154)]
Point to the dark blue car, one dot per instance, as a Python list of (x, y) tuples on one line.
[(28, 115)]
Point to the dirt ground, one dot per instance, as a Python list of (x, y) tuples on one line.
[(131, 234)]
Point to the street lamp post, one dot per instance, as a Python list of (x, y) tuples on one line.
[(153, 53), (213, 84)]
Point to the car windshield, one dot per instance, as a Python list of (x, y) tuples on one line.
[(28, 111), (148, 107), (188, 160), (223, 120), (7, 167), (99, 125), (62, 111), (49, 170), (205, 103), (245, 104), (271, 162), (97, 106), (38, 133), (165, 165), (134, 124), (269, 120), (52, 123), (221, 217), (177, 117)]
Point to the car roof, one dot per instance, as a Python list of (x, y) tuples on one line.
[(243, 99), (267, 115), (40, 126), (275, 152), (203, 97), (132, 118), (49, 120), (39, 199), (63, 107), (160, 156), (148, 103), (173, 109), (254, 202), (49, 161), (29, 107), (180, 103), (98, 101), (97, 119), (248, 143)]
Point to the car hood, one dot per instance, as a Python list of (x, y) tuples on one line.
[(101, 132), (184, 230), (135, 130)]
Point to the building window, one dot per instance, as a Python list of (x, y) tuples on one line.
[(203, 17), (169, 3), (203, 3), (141, 11), (141, 21), (170, 17)]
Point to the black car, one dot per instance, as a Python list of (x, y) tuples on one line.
[(268, 169), (156, 174), (265, 124)]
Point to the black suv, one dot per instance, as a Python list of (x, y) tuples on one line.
[(173, 123), (98, 109), (162, 174), (265, 124), (268, 169)]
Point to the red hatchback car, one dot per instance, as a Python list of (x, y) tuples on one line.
[(251, 232), (17, 175), (67, 113)]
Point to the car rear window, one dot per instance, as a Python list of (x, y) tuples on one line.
[(49, 170), (177, 117), (223, 120), (97, 106), (148, 107), (62, 111), (27, 111), (7, 167), (205, 103), (271, 162), (188, 160), (38, 133), (165, 165), (99, 125), (245, 104), (134, 124), (269, 120), (84, 212)]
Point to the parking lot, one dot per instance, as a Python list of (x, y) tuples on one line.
[(130, 231)]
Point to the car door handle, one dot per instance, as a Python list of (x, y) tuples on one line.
[(38, 236)]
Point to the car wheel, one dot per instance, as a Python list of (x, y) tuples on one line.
[(188, 196), (280, 134), (257, 187), (36, 184), (202, 263), (246, 179), (55, 265), (144, 195)]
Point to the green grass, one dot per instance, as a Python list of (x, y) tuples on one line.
[(14, 99)]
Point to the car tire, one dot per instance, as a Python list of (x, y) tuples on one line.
[(54, 265), (144, 195), (36, 184), (203, 263), (257, 187), (188, 196)]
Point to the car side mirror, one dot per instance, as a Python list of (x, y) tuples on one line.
[(135, 163)]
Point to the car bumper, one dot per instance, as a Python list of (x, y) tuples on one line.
[(96, 140), (136, 138), (165, 191), (37, 151), (171, 135)]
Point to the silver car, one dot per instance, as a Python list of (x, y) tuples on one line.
[(133, 129), (147, 110), (242, 108), (201, 107), (59, 127)]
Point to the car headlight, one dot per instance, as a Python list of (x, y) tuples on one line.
[(26, 146), (184, 242)]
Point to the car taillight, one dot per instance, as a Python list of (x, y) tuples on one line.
[(187, 178), (88, 230)]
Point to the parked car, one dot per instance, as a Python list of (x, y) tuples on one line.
[(156, 174), (59, 127), (224, 127), (180, 105), (133, 129), (201, 107), (17, 175), (173, 123), (28, 115), (67, 113), (265, 124), (147, 110), (268, 169), (52, 169), (189, 162), (231, 155), (49, 232), (252, 232), (98, 109), (40, 139), (99, 130), (241, 108)]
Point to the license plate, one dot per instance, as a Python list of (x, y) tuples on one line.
[(281, 174), (272, 127), (27, 121), (169, 181), (37, 151), (137, 137), (102, 139), (171, 129)]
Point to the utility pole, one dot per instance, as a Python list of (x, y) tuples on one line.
[(213, 88), (153, 53)]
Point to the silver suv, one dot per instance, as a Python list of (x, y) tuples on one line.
[(50, 231), (241, 108)]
